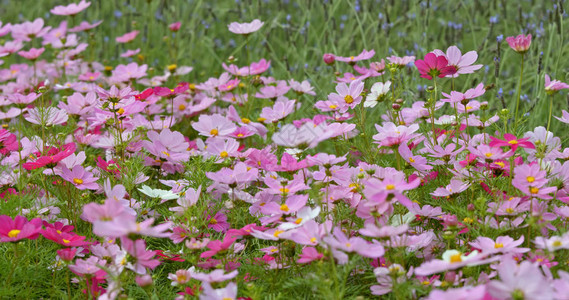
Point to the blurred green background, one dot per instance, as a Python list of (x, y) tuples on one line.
[(297, 33)]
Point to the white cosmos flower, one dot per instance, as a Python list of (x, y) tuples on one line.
[(378, 90), (304, 215), (157, 193)]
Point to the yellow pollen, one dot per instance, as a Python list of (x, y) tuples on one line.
[(411, 159), (425, 282), (298, 221), (120, 111), (509, 210), (229, 87), (533, 190), (557, 244), (77, 181), (488, 154), (138, 228), (501, 164), (245, 120), (351, 58), (66, 241), (390, 187), (498, 245), (181, 107), (213, 221), (274, 250), (349, 99), (513, 142), (172, 67), (284, 190), (277, 233), (166, 153), (333, 106), (468, 107), (313, 240), (58, 231), (223, 154), (214, 132), (240, 135), (348, 245), (261, 119), (455, 258), (13, 233), (530, 179), (91, 77), (284, 207)]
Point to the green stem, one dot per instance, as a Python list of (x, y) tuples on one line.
[(519, 93)]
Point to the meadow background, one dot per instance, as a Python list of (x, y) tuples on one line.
[(295, 36)]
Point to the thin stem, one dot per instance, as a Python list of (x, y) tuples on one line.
[(519, 94)]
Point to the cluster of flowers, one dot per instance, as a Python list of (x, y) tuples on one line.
[(270, 180)]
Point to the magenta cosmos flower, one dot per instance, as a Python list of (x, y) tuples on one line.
[(175, 26), (19, 228), (54, 155), (245, 28), (519, 43), (462, 63), (511, 141), (434, 66), (71, 9)]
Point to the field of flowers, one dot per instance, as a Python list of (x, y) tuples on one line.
[(244, 149)]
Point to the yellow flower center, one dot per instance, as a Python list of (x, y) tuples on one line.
[(348, 245), (277, 233), (245, 120), (501, 164), (530, 179), (557, 244), (333, 106), (261, 119), (390, 187), (66, 241), (349, 99), (181, 107), (509, 210), (13, 233), (533, 190), (298, 221), (172, 67), (498, 245), (455, 258), (166, 153), (411, 159), (513, 142), (284, 190), (488, 154), (212, 221), (240, 135), (284, 207), (223, 154), (351, 58), (313, 240), (425, 282), (77, 181), (120, 111), (214, 132)]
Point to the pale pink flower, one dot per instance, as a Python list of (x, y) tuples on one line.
[(519, 43), (71, 9), (245, 28), (127, 37), (462, 63)]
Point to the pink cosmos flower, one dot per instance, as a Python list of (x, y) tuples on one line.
[(215, 276), (29, 30), (80, 178), (523, 280), (272, 91), (174, 27), (54, 155), (209, 293), (401, 61), (347, 97), (530, 179), (339, 241), (19, 228), (458, 97), (85, 26), (511, 141), (88, 266), (142, 258), (353, 59), (553, 86), (381, 191), (47, 116), (564, 118), (124, 226), (462, 63), (519, 43), (217, 246), (309, 254), (434, 66), (303, 87), (503, 244), (391, 135), (127, 37), (456, 186), (418, 162), (71, 9), (282, 108), (218, 222), (31, 54), (451, 260), (129, 53), (5, 29), (77, 104), (8, 142), (214, 125), (245, 28), (254, 69), (463, 293), (64, 238)]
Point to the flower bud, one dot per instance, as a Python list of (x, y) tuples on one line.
[(329, 58)]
